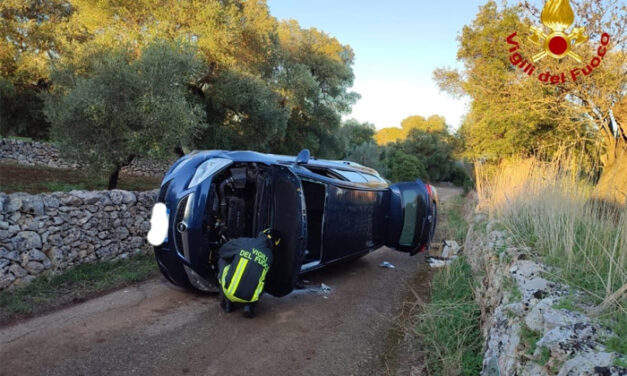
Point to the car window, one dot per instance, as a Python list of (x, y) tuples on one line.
[(372, 178), (351, 176), (409, 221), (324, 172)]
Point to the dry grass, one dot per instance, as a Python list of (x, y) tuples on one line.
[(554, 211)]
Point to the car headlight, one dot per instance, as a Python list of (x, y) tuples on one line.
[(208, 168), (179, 166)]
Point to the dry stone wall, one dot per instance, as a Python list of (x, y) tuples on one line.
[(30, 153), (526, 332), (52, 232)]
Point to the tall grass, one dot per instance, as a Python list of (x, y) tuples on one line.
[(447, 329), (553, 210)]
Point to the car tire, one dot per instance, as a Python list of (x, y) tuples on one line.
[(180, 279)]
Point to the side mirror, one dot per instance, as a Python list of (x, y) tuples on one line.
[(303, 157)]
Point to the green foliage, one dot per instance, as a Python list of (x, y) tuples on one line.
[(617, 322), (426, 155), (513, 114), (314, 79), (545, 355), (401, 166), (422, 148), (435, 151), (366, 154), (7, 93), (449, 326), (21, 112), (49, 291), (460, 176), (620, 362), (568, 303), (243, 112), (510, 285), (454, 226), (264, 85), (433, 124), (32, 33), (359, 145), (529, 339), (125, 108), (355, 134)]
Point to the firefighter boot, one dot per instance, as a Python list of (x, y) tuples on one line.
[(225, 304), (249, 310)]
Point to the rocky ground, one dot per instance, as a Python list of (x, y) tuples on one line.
[(528, 331)]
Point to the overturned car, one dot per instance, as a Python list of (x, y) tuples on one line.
[(324, 211)]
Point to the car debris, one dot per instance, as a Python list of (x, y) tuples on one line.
[(450, 251), (437, 263), (386, 264), (325, 289), (321, 289)]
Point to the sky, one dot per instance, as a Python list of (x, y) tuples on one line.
[(397, 45)]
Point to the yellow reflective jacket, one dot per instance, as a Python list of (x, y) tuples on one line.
[(247, 261)]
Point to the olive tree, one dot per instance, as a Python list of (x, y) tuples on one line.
[(116, 107)]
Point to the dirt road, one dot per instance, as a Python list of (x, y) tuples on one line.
[(154, 328)]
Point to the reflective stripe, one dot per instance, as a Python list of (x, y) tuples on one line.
[(223, 276), (239, 270), (260, 286)]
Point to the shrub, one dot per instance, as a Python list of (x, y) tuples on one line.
[(401, 166), (21, 112)]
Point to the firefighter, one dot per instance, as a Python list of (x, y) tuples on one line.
[(243, 265)]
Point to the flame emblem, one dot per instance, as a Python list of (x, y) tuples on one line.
[(557, 15)]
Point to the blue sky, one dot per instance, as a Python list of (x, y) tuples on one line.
[(397, 44)]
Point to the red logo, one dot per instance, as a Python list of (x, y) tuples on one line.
[(557, 16)]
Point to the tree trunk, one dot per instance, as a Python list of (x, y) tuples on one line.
[(612, 185), (113, 178), (179, 151)]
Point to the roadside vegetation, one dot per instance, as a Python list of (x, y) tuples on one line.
[(583, 238), (448, 327), (451, 223), (74, 285), (445, 331)]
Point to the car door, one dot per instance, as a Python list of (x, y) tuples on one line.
[(289, 220), (409, 217)]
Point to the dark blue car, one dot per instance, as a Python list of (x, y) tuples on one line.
[(324, 211)]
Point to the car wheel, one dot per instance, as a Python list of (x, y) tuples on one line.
[(174, 272)]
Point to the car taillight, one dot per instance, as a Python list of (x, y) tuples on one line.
[(429, 190)]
